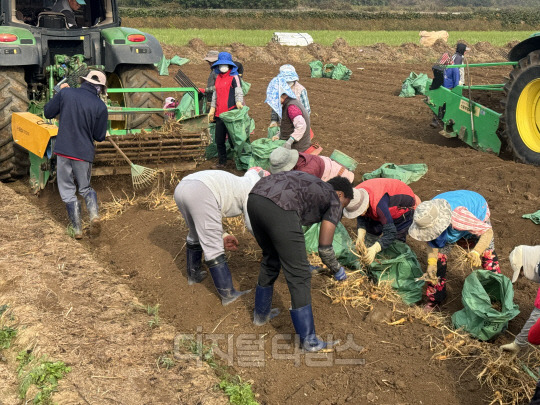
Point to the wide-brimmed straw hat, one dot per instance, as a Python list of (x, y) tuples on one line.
[(211, 56), (283, 160), (430, 219), (358, 205), (95, 77)]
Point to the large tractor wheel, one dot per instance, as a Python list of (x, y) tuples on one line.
[(14, 161), (129, 76), (522, 110)]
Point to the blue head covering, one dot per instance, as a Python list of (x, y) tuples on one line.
[(277, 86), (225, 58), (288, 72)]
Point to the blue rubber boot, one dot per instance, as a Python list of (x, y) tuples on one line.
[(193, 263), (74, 214), (304, 325), (263, 311), (221, 275), (92, 207)]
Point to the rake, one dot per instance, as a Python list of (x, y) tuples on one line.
[(140, 176)]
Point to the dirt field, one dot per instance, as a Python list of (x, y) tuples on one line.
[(142, 249)]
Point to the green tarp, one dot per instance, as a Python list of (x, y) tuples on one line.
[(488, 299), (535, 217), (261, 150), (399, 263), (414, 84), (406, 173), (163, 64), (342, 244)]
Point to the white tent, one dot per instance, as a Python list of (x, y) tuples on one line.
[(292, 38)]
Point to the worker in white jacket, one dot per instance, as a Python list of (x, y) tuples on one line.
[(204, 198)]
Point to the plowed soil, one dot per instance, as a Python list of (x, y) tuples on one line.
[(365, 118)]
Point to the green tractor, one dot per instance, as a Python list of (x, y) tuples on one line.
[(40, 48), (517, 125)]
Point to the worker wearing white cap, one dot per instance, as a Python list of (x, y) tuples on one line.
[(526, 258)]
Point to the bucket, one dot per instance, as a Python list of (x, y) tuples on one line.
[(348, 162)]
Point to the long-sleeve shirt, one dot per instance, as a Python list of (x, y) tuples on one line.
[(451, 77), (301, 94), (322, 167), (83, 120), (228, 92)]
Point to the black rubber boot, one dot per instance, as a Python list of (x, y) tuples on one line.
[(221, 275), (74, 214), (193, 263), (304, 325), (92, 207), (263, 311)]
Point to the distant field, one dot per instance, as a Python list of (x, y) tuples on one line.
[(216, 37)]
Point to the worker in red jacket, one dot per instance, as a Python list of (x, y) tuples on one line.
[(384, 209)]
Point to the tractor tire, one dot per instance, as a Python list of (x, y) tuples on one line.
[(14, 162), (521, 114), (130, 76)]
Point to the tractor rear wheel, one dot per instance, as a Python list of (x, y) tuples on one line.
[(130, 76), (14, 161), (522, 110)]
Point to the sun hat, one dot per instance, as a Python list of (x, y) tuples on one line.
[(430, 219), (211, 56), (283, 160), (289, 73), (95, 77), (528, 258), (224, 58), (358, 204)]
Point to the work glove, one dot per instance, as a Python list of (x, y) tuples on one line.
[(239, 105), (474, 256), (211, 114), (288, 144), (431, 273), (360, 238), (230, 242), (275, 137), (511, 347), (273, 124), (340, 275), (371, 253)]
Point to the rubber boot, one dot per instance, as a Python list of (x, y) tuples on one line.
[(221, 275), (304, 325), (74, 214), (92, 207), (193, 263), (263, 311)]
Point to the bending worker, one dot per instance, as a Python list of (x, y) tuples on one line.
[(83, 120), (283, 160), (462, 217), (295, 123), (384, 207), (278, 207), (204, 198)]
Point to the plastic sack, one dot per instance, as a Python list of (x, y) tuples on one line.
[(245, 87), (341, 72), (272, 131), (211, 150), (342, 244), (488, 299), (407, 89), (420, 83), (261, 150), (327, 70), (406, 173), (239, 126), (316, 69), (399, 264)]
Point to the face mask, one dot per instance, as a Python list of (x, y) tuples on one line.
[(290, 84), (223, 68)]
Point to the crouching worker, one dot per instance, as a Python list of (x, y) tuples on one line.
[(204, 198), (283, 159), (526, 259), (294, 119), (461, 217), (384, 209), (278, 206), (83, 120)]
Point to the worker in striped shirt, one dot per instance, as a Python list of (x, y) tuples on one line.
[(455, 217)]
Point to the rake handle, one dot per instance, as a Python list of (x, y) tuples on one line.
[(119, 150)]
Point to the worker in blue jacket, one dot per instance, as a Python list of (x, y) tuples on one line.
[(451, 77), (83, 120)]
